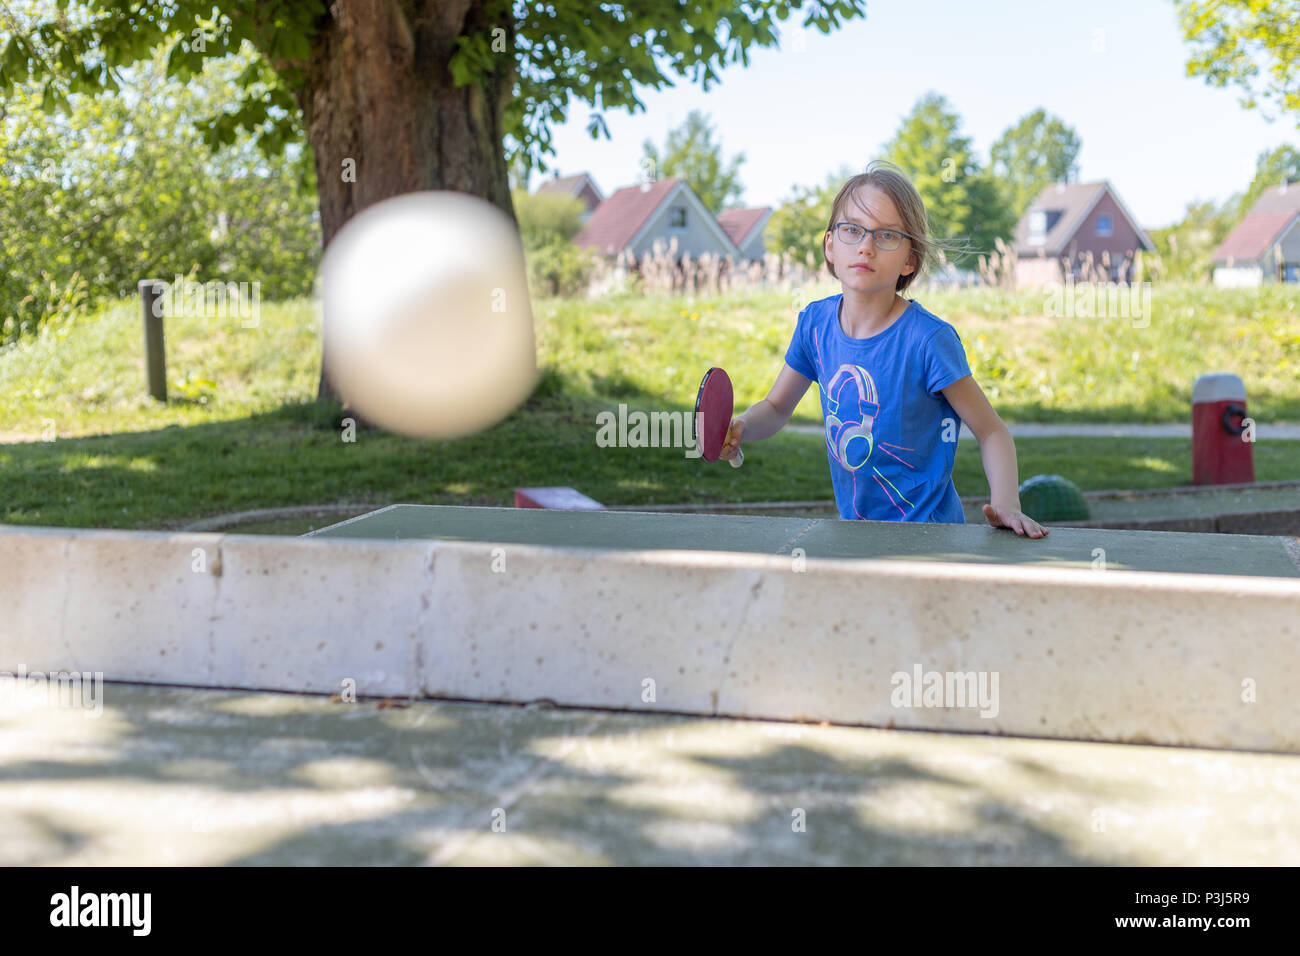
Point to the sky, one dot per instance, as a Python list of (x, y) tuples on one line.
[(1114, 70)]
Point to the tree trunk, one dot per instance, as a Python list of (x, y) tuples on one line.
[(378, 92)]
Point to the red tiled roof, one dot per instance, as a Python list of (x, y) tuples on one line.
[(1253, 236), (1278, 198), (737, 223), (620, 217), (565, 184)]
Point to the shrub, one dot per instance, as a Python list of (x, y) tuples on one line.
[(547, 218), (559, 268)]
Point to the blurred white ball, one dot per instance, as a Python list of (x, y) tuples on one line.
[(427, 322)]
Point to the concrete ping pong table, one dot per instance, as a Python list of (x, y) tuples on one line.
[(830, 612), (1087, 634)]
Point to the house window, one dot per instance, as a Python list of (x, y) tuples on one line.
[(1038, 227), (1103, 226), (679, 217)]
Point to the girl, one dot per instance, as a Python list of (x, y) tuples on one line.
[(894, 382)]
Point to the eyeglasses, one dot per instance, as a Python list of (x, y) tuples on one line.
[(886, 240)]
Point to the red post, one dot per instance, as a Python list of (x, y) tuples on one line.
[(1221, 453)]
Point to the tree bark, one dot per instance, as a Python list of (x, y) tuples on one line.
[(379, 92)]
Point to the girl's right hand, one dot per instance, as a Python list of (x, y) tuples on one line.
[(731, 446)]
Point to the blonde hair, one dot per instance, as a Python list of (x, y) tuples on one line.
[(893, 182)]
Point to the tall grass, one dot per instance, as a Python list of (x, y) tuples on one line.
[(86, 374), (662, 271), (665, 271), (1034, 366)]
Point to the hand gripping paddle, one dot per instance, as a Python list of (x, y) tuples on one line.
[(713, 408)]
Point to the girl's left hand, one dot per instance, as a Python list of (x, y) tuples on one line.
[(1017, 521)]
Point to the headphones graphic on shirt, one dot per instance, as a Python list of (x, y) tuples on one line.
[(841, 434)]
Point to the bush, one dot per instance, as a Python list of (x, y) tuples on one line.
[(52, 307), (547, 218), (559, 268), (81, 224)]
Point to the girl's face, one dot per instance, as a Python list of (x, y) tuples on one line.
[(864, 267)]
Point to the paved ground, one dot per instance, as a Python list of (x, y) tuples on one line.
[(1273, 496), (198, 777)]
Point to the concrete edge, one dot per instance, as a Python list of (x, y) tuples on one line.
[(222, 521), (348, 521), (1178, 582)]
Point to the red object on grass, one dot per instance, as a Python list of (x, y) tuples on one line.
[(556, 499), (1220, 455)]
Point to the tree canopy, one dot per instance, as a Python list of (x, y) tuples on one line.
[(596, 53), (692, 154), (799, 223), (1234, 41), (962, 201), (121, 188), (1038, 150), (397, 96)]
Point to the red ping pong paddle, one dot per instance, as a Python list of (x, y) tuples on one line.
[(713, 408)]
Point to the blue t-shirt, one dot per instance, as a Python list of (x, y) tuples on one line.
[(891, 436)]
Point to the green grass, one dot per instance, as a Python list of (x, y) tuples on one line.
[(249, 435)]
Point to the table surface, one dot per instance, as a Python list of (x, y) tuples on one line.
[(832, 538)]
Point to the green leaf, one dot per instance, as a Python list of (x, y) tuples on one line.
[(298, 46), (461, 71), (175, 59)]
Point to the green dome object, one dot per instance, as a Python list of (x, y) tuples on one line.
[(1052, 498)]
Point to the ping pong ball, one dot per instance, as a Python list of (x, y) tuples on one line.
[(427, 322)]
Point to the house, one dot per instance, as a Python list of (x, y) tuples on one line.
[(1071, 225), (744, 227), (1265, 245), (633, 218), (581, 186), (630, 220)]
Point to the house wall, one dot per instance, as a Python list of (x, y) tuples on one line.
[(1036, 273), (753, 248), (696, 238), (1123, 240), (588, 196), (1291, 248), (1238, 277)]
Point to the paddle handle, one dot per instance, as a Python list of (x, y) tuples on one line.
[(739, 459)]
